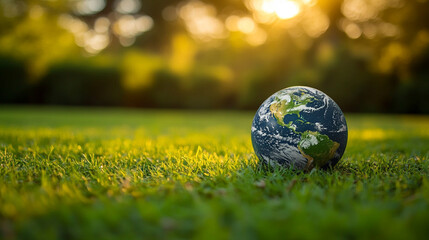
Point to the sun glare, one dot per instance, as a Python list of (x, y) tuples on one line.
[(284, 9)]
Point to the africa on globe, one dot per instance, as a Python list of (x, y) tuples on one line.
[(299, 127)]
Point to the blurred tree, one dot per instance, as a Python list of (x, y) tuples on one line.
[(167, 91), (32, 38), (369, 55), (81, 83), (13, 80)]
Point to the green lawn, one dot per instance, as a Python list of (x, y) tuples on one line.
[(71, 173)]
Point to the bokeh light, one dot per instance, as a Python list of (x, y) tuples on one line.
[(127, 6), (87, 7), (362, 18), (239, 50), (127, 27), (201, 21)]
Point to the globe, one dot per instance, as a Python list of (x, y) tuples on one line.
[(300, 128)]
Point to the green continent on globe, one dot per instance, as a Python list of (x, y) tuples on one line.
[(317, 148), (289, 104)]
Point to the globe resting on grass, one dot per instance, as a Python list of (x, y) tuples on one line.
[(299, 127)]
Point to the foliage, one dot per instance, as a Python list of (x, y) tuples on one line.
[(37, 42), (98, 173), (13, 91), (81, 83), (370, 56)]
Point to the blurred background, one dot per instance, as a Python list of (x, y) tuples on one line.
[(368, 55)]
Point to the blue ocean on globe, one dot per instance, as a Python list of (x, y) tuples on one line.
[(299, 127)]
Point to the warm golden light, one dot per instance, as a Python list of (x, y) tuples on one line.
[(300, 18), (284, 9), (257, 37), (128, 27), (363, 17), (201, 21), (246, 25)]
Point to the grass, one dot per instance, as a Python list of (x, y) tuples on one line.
[(70, 173)]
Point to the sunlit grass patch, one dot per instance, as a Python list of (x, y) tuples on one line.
[(79, 173)]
